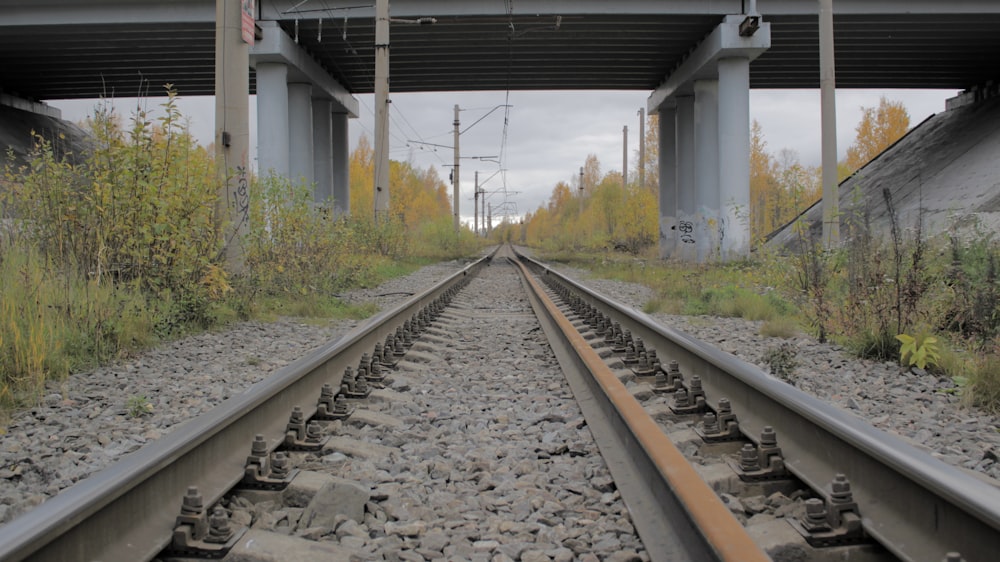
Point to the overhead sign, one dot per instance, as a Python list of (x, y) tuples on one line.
[(248, 20)]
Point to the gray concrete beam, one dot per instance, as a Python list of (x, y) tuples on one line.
[(667, 153), (341, 151), (106, 12), (687, 197), (724, 42), (272, 119), (706, 168), (322, 151), (734, 157), (300, 133), (279, 9), (276, 46)]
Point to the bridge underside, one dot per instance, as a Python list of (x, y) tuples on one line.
[(523, 52)]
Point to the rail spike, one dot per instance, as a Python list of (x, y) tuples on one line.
[(198, 534), (833, 520), (761, 462), (720, 425), (302, 436), (261, 473), (331, 406)]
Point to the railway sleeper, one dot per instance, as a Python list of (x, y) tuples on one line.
[(827, 527)]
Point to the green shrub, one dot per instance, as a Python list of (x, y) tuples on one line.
[(983, 384), (780, 327)]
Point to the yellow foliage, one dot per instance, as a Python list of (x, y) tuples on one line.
[(879, 128)]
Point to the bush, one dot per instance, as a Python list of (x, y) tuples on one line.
[(107, 249), (983, 383)]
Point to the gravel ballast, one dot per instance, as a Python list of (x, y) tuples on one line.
[(87, 421), (84, 423), (923, 409)]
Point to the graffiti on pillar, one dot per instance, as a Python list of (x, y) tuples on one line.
[(686, 228), (241, 203)]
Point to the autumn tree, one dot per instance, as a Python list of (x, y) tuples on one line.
[(780, 187), (651, 163), (879, 128)]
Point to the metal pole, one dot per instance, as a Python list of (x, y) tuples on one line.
[(581, 191), (475, 205), (381, 110), (232, 128), (642, 147), (457, 185), (624, 155), (828, 111), (489, 221)]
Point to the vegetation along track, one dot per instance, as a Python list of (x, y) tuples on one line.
[(473, 450)]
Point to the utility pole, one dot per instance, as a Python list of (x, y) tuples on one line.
[(828, 113), (457, 185), (381, 110), (475, 205), (625, 156), (489, 221), (642, 147), (581, 191), (234, 31)]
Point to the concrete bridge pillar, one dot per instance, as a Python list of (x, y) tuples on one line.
[(302, 115), (272, 119), (706, 168), (300, 133), (322, 151), (734, 157), (687, 197), (668, 182), (711, 93), (341, 152)]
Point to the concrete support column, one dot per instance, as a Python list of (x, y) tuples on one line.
[(232, 131), (300, 135), (687, 199), (272, 119), (322, 151), (706, 168), (341, 150), (734, 157), (668, 182)]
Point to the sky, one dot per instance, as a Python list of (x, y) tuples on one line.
[(550, 134)]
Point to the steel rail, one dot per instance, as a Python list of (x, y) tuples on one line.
[(677, 515), (915, 505), (127, 511)]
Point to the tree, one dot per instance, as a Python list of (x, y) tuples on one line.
[(879, 128), (763, 183), (591, 173), (652, 158)]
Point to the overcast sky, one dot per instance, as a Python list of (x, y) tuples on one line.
[(550, 134)]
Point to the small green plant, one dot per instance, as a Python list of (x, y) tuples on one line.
[(780, 327), (781, 361), (920, 351), (983, 384), (138, 406)]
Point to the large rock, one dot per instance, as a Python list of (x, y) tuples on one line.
[(337, 497)]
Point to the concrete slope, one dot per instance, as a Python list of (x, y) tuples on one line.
[(16, 126), (947, 167)]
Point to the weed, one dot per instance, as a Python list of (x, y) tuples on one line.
[(781, 361), (983, 384), (920, 351), (138, 406), (780, 327)]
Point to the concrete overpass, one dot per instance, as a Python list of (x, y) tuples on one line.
[(312, 56)]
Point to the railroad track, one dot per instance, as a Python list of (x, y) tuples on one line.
[(891, 502)]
